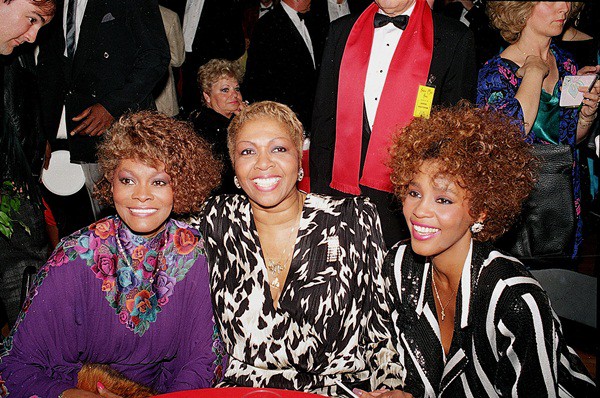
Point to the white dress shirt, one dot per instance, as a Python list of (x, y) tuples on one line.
[(191, 18), (293, 14), (261, 12), (385, 41), (337, 10), (79, 12)]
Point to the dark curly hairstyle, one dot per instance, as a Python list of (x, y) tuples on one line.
[(153, 138), (482, 150)]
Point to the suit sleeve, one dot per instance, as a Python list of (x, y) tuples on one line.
[(150, 63), (176, 43), (461, 81), (322, 139)]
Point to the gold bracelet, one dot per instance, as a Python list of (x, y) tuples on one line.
[(585, 124)]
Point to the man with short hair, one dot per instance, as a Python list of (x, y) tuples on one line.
[(20, 21), (374, 67)]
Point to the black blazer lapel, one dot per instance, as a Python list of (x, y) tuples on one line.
[(296, 41), (94, 11)]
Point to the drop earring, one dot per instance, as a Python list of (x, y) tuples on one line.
[(300, 174), (236, 183)]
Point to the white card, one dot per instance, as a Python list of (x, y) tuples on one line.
[(570, 96)]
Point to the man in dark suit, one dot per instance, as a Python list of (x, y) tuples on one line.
[(101, 59), (253, 10), (284, 57), (382, 69), (211, 29)]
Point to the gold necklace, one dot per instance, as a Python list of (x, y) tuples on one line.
[(437, 294), (276, 267), (128, 263)]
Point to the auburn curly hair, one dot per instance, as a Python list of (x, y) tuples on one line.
[(510, 17), (154, 138), (267, 109), (483, 151)]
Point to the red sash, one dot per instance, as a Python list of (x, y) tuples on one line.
[(408, 69)]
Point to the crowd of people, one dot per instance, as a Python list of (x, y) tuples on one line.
[(184, 255)]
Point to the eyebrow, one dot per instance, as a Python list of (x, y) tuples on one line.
[(41, 17)]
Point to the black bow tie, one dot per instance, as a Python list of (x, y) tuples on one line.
[(269, 8), (302, 16), (400, 21)]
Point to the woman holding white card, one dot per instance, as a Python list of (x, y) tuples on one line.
[(525, 80)]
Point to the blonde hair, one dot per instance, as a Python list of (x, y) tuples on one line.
[(268, 110), (215, 69)]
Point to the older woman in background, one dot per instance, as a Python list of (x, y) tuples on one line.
[(468, 319), (219, 80), (295, 277), (130, 291), (525, 80)]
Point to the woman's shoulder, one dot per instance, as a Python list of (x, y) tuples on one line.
[(326, 202)]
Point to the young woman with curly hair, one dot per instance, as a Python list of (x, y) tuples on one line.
[(469, 320), (129, 293), (525, 81)]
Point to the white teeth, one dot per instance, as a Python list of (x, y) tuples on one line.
[(266, 182), (143, 211), (425, 230)]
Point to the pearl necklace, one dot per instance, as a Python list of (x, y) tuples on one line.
[(437, 294), (127, 262)]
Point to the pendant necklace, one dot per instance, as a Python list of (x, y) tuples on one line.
[(437, 294), (277, 267)]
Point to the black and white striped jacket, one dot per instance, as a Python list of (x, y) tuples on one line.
[(507, 339)]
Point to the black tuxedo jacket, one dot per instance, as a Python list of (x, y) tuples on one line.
[(452, 72), (121, 54), (279, 66)]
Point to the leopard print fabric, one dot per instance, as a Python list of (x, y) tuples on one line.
[(328, 324)]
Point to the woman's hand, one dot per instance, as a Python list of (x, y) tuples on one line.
[(533, 65), (243, 104), (383, 393), (589, 107)]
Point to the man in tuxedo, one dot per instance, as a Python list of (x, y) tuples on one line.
[(284, 57), (253, 11), (376, 63), (211, 29), (100, 60)]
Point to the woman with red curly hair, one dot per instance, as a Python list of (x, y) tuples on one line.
[(128, 295), (469, 320)]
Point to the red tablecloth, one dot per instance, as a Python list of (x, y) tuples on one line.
[(239, 392)]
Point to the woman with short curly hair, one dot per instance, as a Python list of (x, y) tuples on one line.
[(525, 82), (468, 320), (126, 298), (219, 80)]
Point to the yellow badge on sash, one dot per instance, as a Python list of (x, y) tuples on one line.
[(424, 102)]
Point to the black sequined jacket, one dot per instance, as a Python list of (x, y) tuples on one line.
[(507, 339)]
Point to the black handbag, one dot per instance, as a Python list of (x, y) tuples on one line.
[(543, 235)]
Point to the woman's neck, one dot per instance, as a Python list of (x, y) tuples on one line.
[(281, 216), (448, 267), (530, 44)]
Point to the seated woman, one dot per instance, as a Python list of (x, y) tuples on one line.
[(130, 291), (468, 319), (219, 80), (525, 81), (295, 277)]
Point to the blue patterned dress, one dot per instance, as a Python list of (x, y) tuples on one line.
[(497, 86)]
